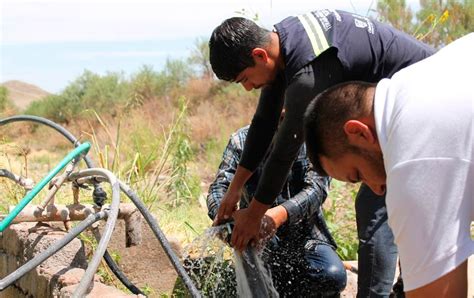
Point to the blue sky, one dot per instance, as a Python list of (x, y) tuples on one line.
[(50, 43)]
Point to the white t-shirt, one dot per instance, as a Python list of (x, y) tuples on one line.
[(425, 124)]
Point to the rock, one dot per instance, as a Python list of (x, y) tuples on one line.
[(24, 241), (73, 276), (98, 291)]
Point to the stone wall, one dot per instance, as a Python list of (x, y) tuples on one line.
[(57, 276)]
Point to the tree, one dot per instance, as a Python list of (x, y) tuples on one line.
[(3, 98), (200, 58), (177, 73), (438, 22), (396, 13)]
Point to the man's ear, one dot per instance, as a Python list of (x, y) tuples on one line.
[(359, 134), (260, 55)]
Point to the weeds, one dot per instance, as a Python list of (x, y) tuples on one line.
[(339, 213), (183, 185)]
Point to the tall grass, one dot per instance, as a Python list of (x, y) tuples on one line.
[(339, 213)]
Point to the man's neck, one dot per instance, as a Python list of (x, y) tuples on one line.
[(275, 52)]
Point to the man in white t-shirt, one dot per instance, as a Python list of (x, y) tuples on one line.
[(413, 137)]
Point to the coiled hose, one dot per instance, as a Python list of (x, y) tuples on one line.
[(138, 203), (97, 188)]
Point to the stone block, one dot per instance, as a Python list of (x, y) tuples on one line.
[(12, 264), (13, 239), (98, 291), (54, 276), (73, 276), (12, 292), (3, 264)]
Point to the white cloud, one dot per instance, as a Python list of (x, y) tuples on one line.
[(53, 21), (119, 20), (121, 54)]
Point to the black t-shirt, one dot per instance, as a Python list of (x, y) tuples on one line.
[(320, 49)]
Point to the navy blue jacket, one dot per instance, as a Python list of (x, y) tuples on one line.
[(320, 49)]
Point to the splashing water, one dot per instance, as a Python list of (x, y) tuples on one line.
[(253, 279), (219, 271)]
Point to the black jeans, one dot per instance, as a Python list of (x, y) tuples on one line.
[(305, 269), (377, 250)]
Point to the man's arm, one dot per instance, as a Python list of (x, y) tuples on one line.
[(304, 205), (314, 190), (430, 218), (225, 173), (307, 202), (453, 284), (327, 70), (324, 72), (259, 137), (264, 124)]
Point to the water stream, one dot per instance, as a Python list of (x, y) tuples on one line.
[(219, 271)]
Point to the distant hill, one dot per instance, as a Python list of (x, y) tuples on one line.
[(22, 94)]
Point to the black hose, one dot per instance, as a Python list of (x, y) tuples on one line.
[(97, 189), (38, 259), (7, 174)]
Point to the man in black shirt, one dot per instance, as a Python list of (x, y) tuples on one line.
[(303, 56)]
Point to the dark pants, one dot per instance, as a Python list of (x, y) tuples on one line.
[(377, 250), (299, 269)]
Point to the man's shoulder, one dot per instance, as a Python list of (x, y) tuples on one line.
[(238, 137)]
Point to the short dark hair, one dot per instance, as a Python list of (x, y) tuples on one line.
[(231, 45), (325, 117)]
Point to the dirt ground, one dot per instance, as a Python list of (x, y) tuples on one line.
[(145, 265)]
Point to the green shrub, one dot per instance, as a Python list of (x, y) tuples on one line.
[(3, 98), (339, 213)]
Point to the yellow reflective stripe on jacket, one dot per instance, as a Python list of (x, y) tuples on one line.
[(315, 33)]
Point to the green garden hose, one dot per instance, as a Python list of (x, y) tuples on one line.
[(80, 150)]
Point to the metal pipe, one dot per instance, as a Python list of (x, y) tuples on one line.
[(56, 183), (146, 214), (88, 276), (76, 212), (29, 196), (38, 259)]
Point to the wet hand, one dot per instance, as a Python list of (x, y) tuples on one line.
[(246, 229), (247, 224), (227, 207)]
